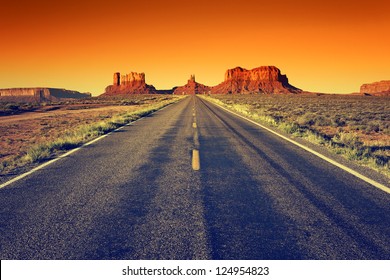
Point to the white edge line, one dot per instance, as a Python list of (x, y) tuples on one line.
[(331, 161), (17, 178)]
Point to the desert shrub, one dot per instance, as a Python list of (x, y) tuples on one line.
[(3, 165), (322, 121), (338, 122), (11, 107), (381, 160), (373, 127), (348, 139), (289, 128), (314, 137), (37, 153), (306, 119)]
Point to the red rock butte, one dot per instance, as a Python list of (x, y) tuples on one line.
[(264, 79), (132, 83), (377, 88), (192, 87)]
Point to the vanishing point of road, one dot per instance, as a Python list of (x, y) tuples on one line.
[(193, 181)]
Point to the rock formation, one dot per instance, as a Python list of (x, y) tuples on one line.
[(117, 79), (264, 79), (132, 83), (377, 88), (39, 94), (192, 87)]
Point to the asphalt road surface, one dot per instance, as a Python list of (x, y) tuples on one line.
[(135, 195)]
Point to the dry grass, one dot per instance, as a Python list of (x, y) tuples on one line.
[(36, 136), (357, 127)]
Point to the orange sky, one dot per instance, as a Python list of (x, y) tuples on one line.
[(324, 46)]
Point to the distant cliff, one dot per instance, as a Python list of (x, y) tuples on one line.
[(39, 94), (377, 88)]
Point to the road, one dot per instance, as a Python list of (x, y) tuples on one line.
[(134, 195)]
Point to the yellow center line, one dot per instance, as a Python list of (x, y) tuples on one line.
[(196, 139), (195, 160), (195, 151)]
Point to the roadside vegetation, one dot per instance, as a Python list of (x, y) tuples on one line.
[(16, 108), (70, 124), (356, 127)]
